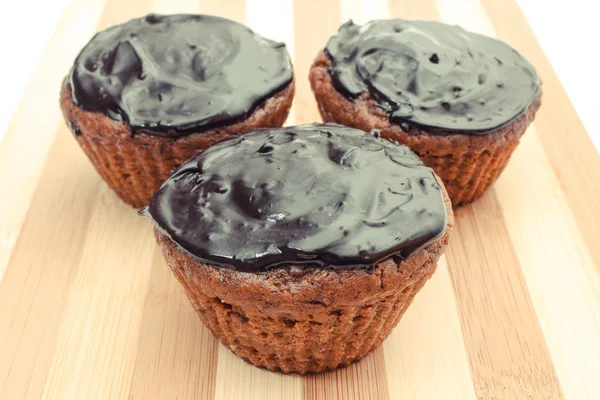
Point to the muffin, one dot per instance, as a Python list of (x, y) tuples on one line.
[(460, 100), (301, 247), (144, 96)]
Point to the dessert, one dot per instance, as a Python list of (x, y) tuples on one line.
[(301, 247), (144, 96), (460, 100)]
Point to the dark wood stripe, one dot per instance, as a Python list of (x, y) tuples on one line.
[(349, 383), (177, 355), (506, 348), (574, 158)]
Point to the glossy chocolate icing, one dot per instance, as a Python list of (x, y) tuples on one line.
[(172, 75), (433, 75), (325, 195)]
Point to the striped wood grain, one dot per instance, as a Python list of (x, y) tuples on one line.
[(101, 315), (560, 273), (177, 357), (88, 308), (237, 379), (42, 268), (569, 334), (511, 318), (416, 351), (425, 355), (572, 154), (23, 157), (102, 318), (312, 30)]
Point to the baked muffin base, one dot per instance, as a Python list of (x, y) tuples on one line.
[(303, 319), (468, 164), (135, 166)]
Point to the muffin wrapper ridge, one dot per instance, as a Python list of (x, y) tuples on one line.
[(468, 164), (302, 336), (135, 166)]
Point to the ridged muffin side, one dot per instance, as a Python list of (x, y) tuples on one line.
[(135, 166), (297, 319), (468, 164)]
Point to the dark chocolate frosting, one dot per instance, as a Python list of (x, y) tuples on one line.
[(433, 75), (172, 75), (323, 195)]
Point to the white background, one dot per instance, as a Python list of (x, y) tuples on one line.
[(567, 31)]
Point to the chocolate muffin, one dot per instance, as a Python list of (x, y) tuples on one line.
[(460, 100), (301, 247), (144, 96)]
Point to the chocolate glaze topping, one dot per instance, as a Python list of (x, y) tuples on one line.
[(323, 195), (172, 75), (433, 75)]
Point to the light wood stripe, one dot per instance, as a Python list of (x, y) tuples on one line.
[(114, 13), (411, 9), (425, 355), (22, 158), (570, 150), (260, 17), (561, 276), (238, 380), (363, 11), (466, 13), (39, 276), (176, 7), (177, 357), (102, 318), (232, 9), (112, 285), (312, 30), (280, 29)]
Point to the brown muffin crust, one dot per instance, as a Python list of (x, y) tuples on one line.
[(135, 166), (304, 319), (468, 164)]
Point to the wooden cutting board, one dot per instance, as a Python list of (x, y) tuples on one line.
[(88, 308)]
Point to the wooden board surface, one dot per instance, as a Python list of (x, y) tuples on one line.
[(88, 308)]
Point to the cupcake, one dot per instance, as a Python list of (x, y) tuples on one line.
[(301, 247), (144, 96), (460, 100)]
